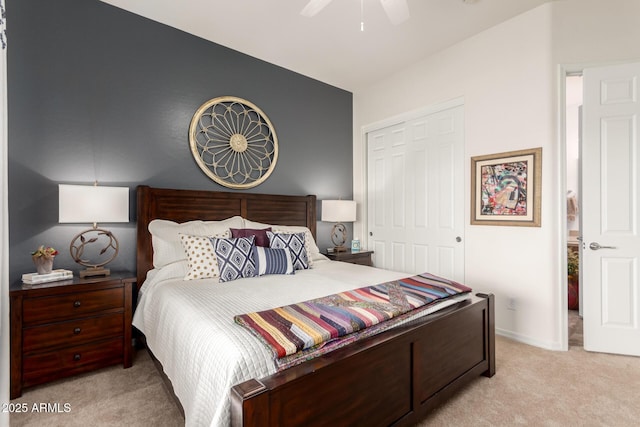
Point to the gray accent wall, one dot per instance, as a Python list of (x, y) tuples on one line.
[(98, 93)]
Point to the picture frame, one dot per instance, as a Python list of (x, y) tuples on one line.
[(506, 188)]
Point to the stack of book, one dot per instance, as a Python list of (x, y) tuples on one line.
[(54, 276)]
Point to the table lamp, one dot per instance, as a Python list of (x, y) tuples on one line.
[(339, 211), (93, 204)]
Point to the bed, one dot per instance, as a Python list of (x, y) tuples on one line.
[(392, 378)]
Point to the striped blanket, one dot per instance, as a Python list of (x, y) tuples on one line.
[(307, 325)]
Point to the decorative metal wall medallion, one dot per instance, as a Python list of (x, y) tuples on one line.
[(233, 142)]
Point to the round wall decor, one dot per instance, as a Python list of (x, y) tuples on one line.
[(233, 142)]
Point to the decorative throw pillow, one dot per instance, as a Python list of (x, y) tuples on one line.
[(261, 235), (235, 258), (272, 261), (201, 257), (295, 243), (309, 242)]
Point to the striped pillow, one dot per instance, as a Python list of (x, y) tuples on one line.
[(272, 261)]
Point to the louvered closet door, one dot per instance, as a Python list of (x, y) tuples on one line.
[(416, 195)]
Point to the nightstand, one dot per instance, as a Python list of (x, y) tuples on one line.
[(360, 257), (59, 329)]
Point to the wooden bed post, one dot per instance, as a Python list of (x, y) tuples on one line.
[(490, 335), (144, 249), (243, 414)]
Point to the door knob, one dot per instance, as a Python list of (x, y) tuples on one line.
[(458, 239), (594, 246)]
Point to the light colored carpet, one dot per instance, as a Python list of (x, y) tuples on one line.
[(109, 397), (575, 329), (532, 387), (536, 387)]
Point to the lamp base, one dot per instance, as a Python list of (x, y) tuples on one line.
[(94, 271), (94, 237), (339, 237)]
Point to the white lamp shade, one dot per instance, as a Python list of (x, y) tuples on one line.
[(92, 204), (338, 210)]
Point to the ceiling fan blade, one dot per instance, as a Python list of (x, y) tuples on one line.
[(397, 10), (314, 6)]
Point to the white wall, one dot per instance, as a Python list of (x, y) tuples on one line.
[(508, 76), (4, 234)]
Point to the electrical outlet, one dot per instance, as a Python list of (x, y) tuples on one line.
[(511, 304)]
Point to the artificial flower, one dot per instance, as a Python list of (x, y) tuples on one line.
[(47, 252)]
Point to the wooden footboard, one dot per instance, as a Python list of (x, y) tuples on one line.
[(394, 378)]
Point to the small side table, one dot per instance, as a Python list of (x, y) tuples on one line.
[(63, 328), (360, 257)]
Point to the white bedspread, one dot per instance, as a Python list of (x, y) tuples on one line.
[(190, 329)]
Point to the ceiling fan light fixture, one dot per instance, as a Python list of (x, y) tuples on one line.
[(396, 10), (313, 7)]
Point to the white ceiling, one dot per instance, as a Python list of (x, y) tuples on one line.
[(330, 46)]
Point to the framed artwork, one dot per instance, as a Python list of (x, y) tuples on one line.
[(506, 188), (233, 142)]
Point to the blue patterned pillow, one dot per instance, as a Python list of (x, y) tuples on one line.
[(272, 261), (235, 258), (295, 243)]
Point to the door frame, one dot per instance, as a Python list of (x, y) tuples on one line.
[(563, 300), (381, 124)]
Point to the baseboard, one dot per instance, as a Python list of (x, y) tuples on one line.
[(554, 346)]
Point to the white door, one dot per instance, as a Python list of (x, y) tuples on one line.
[(387, 177), (611, 194), (416, 195)]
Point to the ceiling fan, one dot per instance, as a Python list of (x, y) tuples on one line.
[(396, 10)]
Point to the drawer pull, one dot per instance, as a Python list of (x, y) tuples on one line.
[(76, 331), (77, 304), (77, 357)]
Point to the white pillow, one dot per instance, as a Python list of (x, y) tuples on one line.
[(309, 243), (166, 240), (171, 271)]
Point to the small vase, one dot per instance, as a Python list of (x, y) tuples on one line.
[(43, 265)]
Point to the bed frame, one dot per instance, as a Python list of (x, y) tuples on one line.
[(394, 378)]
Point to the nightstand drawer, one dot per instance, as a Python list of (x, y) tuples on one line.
[(72, 332), (359, 257), (46, 309), (44, 367), (363, 260)]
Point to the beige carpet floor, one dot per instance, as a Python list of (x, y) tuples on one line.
[(532, 387), (575, 329)]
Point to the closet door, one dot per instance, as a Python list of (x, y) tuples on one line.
[(416, 194)]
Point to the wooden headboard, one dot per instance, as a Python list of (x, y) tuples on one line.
[(187, 205)]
